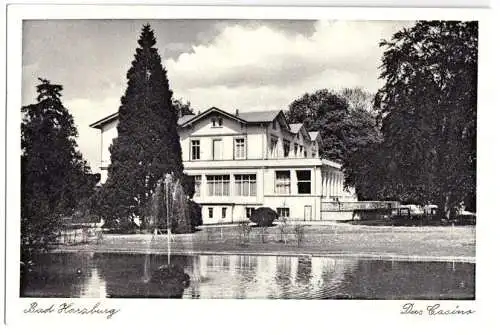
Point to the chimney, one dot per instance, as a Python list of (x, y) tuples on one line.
[(237, 112)]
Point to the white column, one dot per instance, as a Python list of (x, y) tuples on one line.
[(323, 188), (203, 187), (340, 183), (232, 187), (334, 184), (261, 182), (328, 194), (323, 184), (337, 180), (330, 184), (293, 182)]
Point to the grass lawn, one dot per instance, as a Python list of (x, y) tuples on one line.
[(412, 243)]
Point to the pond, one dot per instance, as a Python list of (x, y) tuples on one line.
[(101, 275)]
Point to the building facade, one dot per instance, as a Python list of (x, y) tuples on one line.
[(242, 161)]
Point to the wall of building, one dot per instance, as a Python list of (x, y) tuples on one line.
[(282, 134), (230, 130), (108, 133), (256, 141), (301, 206), (326, 179)]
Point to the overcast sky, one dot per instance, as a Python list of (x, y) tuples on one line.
[(244, 64)]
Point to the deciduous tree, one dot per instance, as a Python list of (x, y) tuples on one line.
[(428, 107), (347, 125)]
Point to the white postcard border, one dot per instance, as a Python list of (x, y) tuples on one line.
[(260, 315)]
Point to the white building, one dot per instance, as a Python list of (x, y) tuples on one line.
[(242, 161)]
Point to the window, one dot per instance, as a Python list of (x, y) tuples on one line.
[(223, 213), (283, 212), (301, 150), (304, 181), (282, 182), (274, 147), (286, 148), (197, 186), (217, 149), (216, 122), (239, 148), (274, 124), (295, 149), (305, 153), (218, 185), (249, 211), (313, 154), (195, 149), (210, 212), (246, 184)]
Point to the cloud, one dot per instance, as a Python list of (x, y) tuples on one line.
[(249, 57), (244, 64)]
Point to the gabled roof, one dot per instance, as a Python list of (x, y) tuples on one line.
[(314, 135), (110, 118), (247, 117), (260, 116), (185, 118), (99, 124), (295, 127), (208, 112), (243, 117)]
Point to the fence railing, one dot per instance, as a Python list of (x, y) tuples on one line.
[(357, 205)]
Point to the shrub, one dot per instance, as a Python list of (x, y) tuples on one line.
[(195, 213), (264, 216)]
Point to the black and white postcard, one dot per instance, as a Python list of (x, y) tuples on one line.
[(325, 159)]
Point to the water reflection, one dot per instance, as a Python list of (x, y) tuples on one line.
[(94, 286), (244, 276)]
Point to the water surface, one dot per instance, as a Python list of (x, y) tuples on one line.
[(100, 275)]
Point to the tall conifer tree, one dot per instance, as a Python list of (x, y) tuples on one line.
[(147, 145), (54, 176)]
